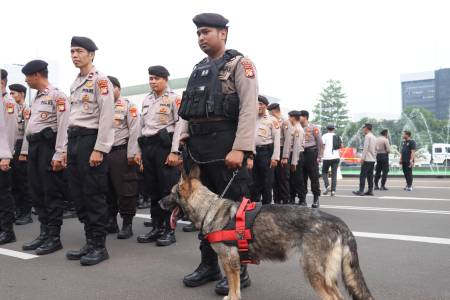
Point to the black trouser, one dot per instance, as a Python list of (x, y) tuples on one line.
[(6, 202), (87, 185), (209, 142), (159, 177), (262, 174), (310, 168), (122, 184), (382, 168), (334, 164), (20, 189), (366, 172), (407, 172), (45, 185), (281, 191), (296, 181), (68, 201)]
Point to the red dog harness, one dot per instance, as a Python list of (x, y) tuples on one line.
[(239, 235)]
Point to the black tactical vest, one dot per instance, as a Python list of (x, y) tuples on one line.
[(203, 97)]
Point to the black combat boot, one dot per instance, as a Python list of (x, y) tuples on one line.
[(148, 223), (222, 286), (189, 227), (7, 234), (207, 271), (127, 228), (37, 242), (168, 236), (78, 254), (376, 187), (302, 201), (153, 235), (315, 202), (112, 226), (369, 193), (24, 219), (97, 254), (52, 243)]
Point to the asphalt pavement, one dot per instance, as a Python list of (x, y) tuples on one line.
[(403, 244)]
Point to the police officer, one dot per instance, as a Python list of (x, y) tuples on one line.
[(309, 162), (8, 130), (267, 153), (160, 154), (123, 161), (90, 138), (368, 158), (45, 147), (20, 191), (222, 126), (382, 148), (281, 191), (295, 137), (407, 158)]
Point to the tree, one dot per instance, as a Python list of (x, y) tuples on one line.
[(332, 107)]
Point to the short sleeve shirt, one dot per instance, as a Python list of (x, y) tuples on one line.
[(407, 147)]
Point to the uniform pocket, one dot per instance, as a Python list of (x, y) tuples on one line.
[(130, 186)]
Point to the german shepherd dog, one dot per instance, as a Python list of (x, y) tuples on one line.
[(327, 246)]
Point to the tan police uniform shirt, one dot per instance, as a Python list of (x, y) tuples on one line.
[(92, 106), (297, 143), (162, 112), (10, 114), (6, 147), (126, 126), (22, 119), (382, 145), (50, 109), (369, 153), (313, 138), (267, 133)]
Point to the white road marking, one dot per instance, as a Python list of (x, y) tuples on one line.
[(388, 197), (399, 186), (17, 254), (401, 237), (145, 216), (387, 209)]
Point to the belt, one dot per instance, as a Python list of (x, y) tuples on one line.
[(210, 127), (268, 147), (119, 147), (310, 149), (45, 134), (151, 139), (81, 131)]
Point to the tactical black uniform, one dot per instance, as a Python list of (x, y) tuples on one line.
[(6, 209)]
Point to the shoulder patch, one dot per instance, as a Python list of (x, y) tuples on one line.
[(276, 124), (133, 111), (61, 104), (26, 113), (316, 131), (249, 70), (10, 107), (178, 102), (103, 86)]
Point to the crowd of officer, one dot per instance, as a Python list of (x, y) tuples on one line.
[(99, 147)]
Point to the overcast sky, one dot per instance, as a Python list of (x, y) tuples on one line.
[(296, 45)]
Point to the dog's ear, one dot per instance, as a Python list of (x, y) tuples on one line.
[(184, 175), (195, 172)]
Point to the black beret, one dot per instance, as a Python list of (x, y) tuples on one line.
[(159, 71), (294, 113), (34, 66), (83, 42), (304, 113), (17, 88), (263, 100), (114, 81), (384, 132), (4, 74), (273, 106), (331, 126), (368, 126), (210, 20)]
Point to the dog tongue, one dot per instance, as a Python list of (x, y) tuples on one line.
[(173, 218)]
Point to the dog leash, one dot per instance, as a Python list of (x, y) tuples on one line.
[(235, 172)]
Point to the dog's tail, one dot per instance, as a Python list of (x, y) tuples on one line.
[(351, 272)]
